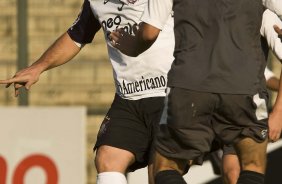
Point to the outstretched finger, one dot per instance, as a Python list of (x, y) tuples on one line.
[(8, 85), (14, 79), (7, 81)]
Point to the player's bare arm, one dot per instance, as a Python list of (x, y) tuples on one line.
[(63, 50), (271, 31), (275, 123), (275, 118), (133, 45)]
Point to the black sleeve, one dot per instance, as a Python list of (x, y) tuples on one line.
[(85, 27)]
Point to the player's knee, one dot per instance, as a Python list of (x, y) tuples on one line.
[(101, 162), (257, 164), (162, 163), (231, 176), (111, 159)]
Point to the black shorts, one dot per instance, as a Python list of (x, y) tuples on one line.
[(192, 120), (131, 125)]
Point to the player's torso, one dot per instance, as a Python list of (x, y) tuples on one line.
[(142, 76), (218, 45), (114, 14)]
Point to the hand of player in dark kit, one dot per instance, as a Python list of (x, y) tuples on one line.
[(124, 41), (24, 78), (275, 126), (278, 31)]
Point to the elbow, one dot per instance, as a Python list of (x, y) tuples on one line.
[(149, 39)]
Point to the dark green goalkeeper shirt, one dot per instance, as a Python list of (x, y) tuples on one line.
[(218, 47)]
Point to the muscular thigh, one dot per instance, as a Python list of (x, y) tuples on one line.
[(110, 158), (129, 127), (252, 154)]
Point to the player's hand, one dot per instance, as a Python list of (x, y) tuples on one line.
[(275, 126), (278, 31), (124, 41), (24, 78)]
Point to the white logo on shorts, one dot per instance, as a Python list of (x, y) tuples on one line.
[(264, 133)]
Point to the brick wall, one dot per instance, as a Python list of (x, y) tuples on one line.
[(87, 80), (90, 82)]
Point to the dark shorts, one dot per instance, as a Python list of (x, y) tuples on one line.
[(192, 120), (228, 150), (131, 125)]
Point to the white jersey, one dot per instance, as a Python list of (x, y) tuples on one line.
[(268, 74), (135, 77), (157, 12), (274, 42), (274, 5)]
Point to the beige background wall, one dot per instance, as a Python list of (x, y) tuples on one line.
[(86, 80)]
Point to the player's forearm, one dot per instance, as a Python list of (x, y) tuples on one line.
[(147, 35), (278, 103), (133, 45), (273, 83), (60, 52)]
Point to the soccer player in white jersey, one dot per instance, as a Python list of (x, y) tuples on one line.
[(124, 141), (181, 140)]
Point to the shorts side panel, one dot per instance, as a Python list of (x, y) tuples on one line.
[(241, 116)]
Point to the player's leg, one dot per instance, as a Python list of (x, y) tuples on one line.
[(252, 156), (230, 165), (168, 171), (111, 164), (244, 121), (151, 174), (152, 109), (116, 140), (251, 151), (125, 138), (230, 168)]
